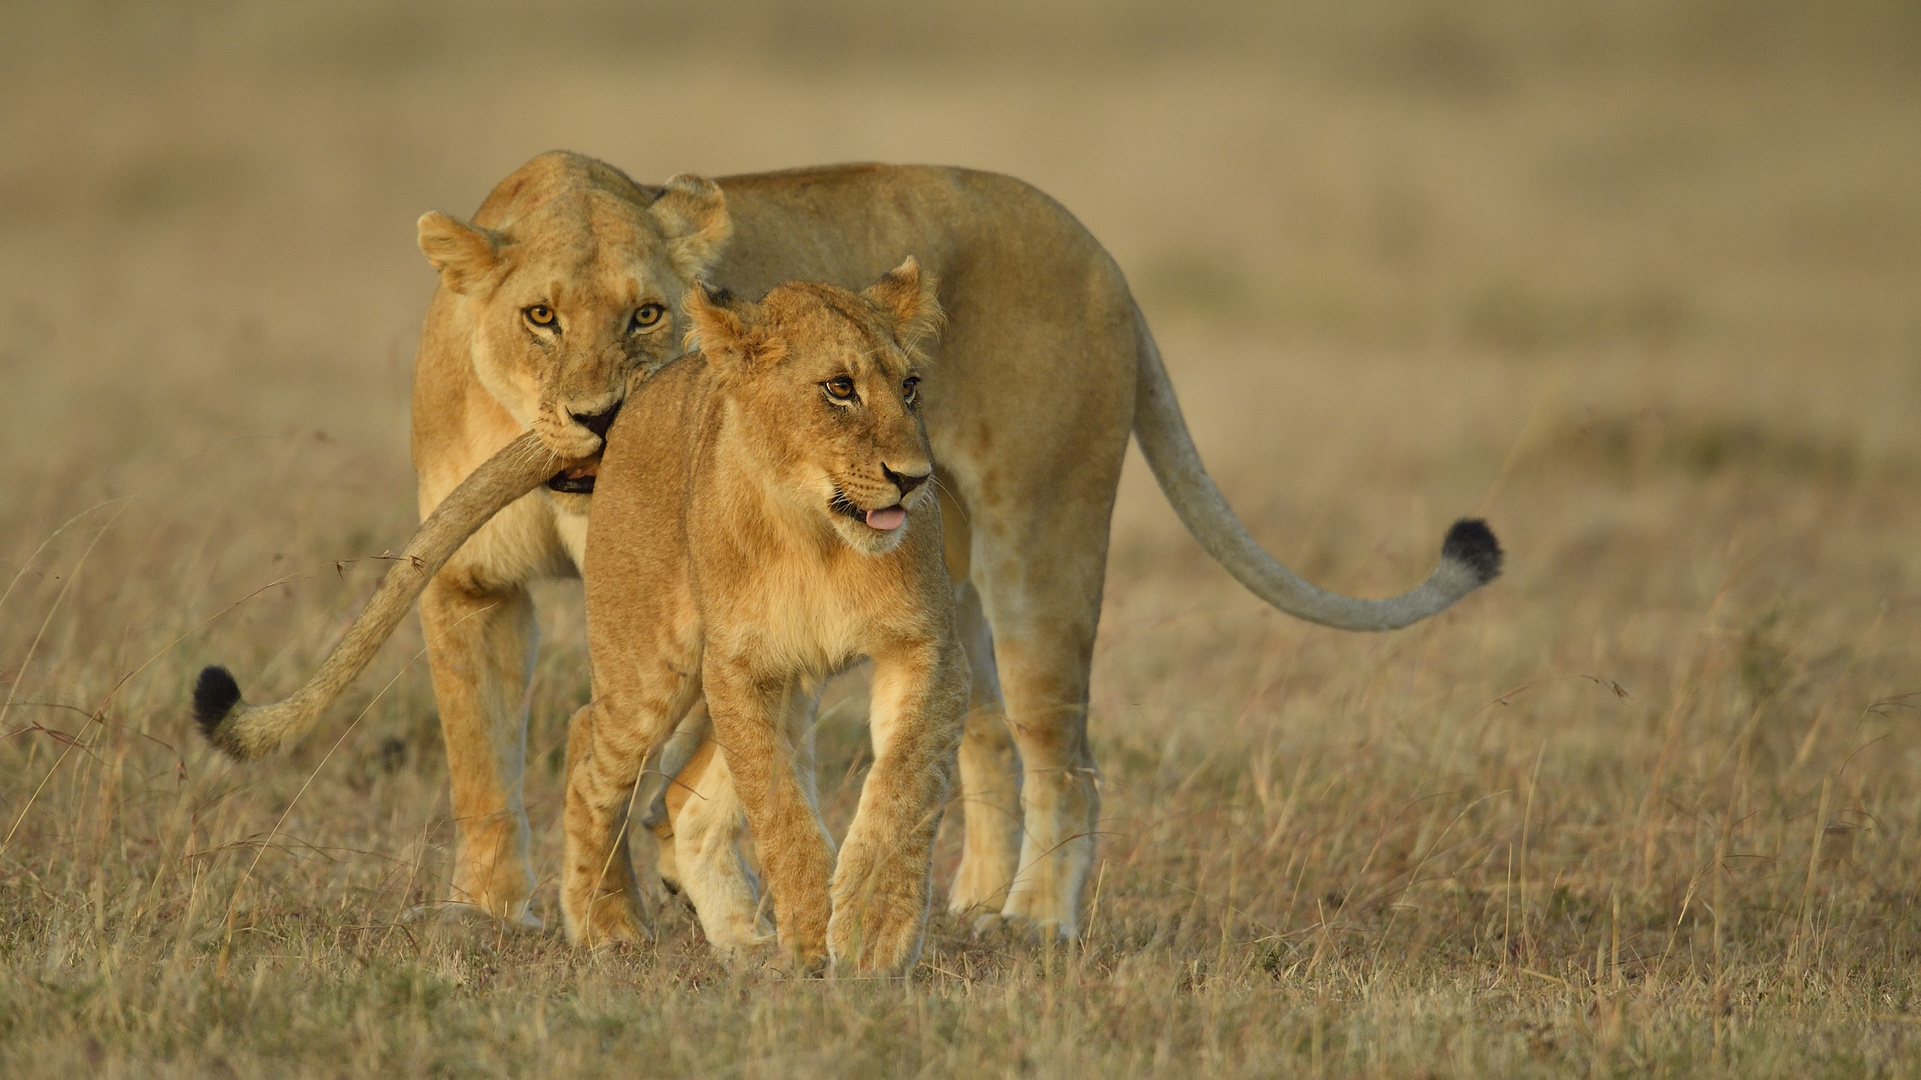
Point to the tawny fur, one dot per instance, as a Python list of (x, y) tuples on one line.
[(733, 552), (1044, 369), (251, 731)]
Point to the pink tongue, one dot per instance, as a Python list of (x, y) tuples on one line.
[(886, 520)]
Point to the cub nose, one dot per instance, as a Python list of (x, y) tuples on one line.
[(904, 482), (599, 422)]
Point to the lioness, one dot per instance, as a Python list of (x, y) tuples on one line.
[(561, 294), (763, 518)]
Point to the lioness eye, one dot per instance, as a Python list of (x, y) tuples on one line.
[(539, 315), (840, 388), (647, 316), (911, 387)]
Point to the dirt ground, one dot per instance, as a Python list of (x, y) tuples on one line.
[(1638, 282)]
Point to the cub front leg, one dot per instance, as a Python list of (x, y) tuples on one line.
[(755, 722), (882, 885)]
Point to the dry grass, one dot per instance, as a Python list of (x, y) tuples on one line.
[(1641, 282)]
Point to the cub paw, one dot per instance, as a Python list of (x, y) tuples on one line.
[(611, 920), (879, 937)]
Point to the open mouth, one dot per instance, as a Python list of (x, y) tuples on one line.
[(577, 481), (885, 519)]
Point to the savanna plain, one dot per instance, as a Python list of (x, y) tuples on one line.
[(1638, 282)]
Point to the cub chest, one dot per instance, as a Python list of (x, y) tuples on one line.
[(814, 617)]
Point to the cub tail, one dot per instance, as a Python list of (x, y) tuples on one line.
[(247, 732)]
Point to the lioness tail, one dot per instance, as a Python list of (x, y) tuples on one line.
[(1470, 556)]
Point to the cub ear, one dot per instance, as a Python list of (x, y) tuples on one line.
[(692, 212), (723, 327), (905, 295), (464, 254)]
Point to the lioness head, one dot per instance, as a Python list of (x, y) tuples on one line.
[(574, 298), (823, 383)]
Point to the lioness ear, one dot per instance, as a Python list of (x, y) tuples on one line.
[(462, 253), (722, 325), (692, 211), (906, 296)]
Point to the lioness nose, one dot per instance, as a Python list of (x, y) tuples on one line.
[(904, 482), (599, 422)]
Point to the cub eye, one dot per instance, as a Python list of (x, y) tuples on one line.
[(539, 314), (910, 388), (646, 317), (840, 388)]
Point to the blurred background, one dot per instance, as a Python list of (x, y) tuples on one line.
[(1640, 281), (206, 207)]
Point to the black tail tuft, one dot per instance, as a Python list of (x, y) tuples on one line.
[(214, 696), (1470, 541)]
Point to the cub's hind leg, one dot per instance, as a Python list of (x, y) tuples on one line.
[(607, 742)]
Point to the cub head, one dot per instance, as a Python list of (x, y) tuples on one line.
[(571, 300), (823, 386)]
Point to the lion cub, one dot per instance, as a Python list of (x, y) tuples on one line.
[(764, 517)]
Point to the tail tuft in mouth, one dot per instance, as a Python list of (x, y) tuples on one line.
[(214, 696), (1471, 543)]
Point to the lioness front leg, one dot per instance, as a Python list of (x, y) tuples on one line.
[(755, 725), (480, 644), (708, 828), (882, 884)]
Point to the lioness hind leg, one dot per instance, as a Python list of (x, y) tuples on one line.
[(480, 650), (1060, 793), (1037, 473), (1040, 580), (990, 777), (599, 896)]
